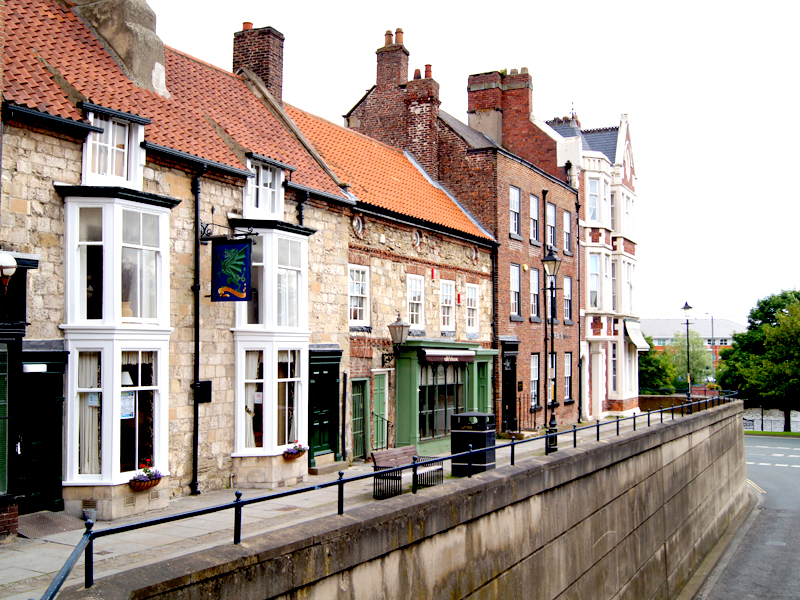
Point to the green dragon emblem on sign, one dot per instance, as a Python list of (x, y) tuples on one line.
[(232, 266)]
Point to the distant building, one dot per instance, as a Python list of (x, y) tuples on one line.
[(717, 333)]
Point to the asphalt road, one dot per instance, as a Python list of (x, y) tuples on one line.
[(763, 562)]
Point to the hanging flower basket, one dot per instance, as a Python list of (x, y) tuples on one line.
[(138, 485), (295, 451)]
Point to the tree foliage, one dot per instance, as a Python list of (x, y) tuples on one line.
[(700, 360), (656, 370), (764, 361)]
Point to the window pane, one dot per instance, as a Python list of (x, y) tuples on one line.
[(254, 304), (288, 371), (91, 278), (287, 297), (91, 225), (150, 230), (137, 410), (288, 253), (130, 227), (148, 284), (130, 269), (257, 250), (89, 413), (254, 400)]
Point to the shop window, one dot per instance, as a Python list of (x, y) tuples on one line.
[(441, 394)]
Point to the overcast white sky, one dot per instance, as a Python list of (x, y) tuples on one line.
[(710, 88)]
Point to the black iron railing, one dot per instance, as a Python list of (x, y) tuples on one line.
[(86, 544)]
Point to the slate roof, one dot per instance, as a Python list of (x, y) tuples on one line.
[(52, 60), (600, 140), (383, 176), (666, 328), (474, 138)]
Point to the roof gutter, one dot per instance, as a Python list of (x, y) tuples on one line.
[(195, 160)]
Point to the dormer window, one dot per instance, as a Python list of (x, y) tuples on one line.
[(264, 191), (114, 157)]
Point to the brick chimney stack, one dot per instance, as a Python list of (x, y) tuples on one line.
[(392, 61), (261, 51), (497, 103)]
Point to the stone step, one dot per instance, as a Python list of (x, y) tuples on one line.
[(327, 468)]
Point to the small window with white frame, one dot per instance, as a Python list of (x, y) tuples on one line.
[(567, 231), (567, 298), (114, 157), (513, 201), (415, 289), (447, 305), (534, 381), (535, 218), (535, 293), (514, 290), (567, 376), (551, 225), (358, 312), (264, 192), (472, 307), (593, 203), (595, 290)]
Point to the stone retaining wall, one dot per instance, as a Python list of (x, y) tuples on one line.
[(628, 517)]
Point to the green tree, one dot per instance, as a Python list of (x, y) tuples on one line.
[(656, 370), (700, 362), (763, 361)]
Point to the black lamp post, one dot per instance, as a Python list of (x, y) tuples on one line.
[(551, 263), (399, 332), (687, 310)]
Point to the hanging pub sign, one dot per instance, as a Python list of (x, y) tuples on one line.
[(230, 270)]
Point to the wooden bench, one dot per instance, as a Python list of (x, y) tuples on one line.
[(391, 484)]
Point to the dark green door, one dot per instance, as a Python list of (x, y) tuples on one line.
[(381, 426), (323, 401), (359, 397)]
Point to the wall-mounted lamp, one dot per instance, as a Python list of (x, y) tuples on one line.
[(8, 266), (399, 332)]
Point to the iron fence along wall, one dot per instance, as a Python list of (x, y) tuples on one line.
[(609, 428)]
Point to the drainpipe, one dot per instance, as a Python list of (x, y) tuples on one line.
[(580, 355), (196, 291), (301, 203)]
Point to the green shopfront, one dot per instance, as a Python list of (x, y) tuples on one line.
[(436, 379)]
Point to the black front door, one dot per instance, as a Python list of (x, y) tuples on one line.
[(39, 440), (509, 387)]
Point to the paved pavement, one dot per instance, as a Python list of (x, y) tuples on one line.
[(28, 566)]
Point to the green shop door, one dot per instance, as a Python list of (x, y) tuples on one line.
[(323, 404), (381, 424), (359, 402)]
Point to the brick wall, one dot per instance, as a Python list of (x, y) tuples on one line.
[(8, 517)]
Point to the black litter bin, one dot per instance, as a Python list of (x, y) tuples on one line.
[(474, 428)]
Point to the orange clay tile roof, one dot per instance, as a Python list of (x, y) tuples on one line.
[(381, 175), (43, 37)]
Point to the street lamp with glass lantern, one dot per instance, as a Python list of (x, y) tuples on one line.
[(551, 263), (687, 310)]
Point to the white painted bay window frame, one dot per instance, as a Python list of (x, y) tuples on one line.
[(263, 194), (119, 145)]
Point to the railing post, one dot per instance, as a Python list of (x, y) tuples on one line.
[(634, 421), (414, 481), (470, 460), (88, 557), (598, 429), (574, 435), (237, 519), (648, 417), (661, 412), (341, 492), (617, 425), (682, 405), (512, 450)]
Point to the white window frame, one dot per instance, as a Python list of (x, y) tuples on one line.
[(551, 378), (606, 200), (514, 289), (595, 283), (365, 320), (535, 222), (567, 376), (551, 225), (416, 284), (613, 211), (112, 216), (551, 298), (567, 298), (447, 304), (536, 400), (270, 345), (265, 283), (535, 294), (473, 307), (134, 154), (614, 306), (255, 205), (514, 212), (593, 200), (614, 367), (567, 231)]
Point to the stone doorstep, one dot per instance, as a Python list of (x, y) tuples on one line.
[(328, 468)]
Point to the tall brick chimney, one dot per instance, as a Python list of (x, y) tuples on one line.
[(392, 61), (499, 103), (261, 51)]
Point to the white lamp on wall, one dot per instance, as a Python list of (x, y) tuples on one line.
[(8, 266)]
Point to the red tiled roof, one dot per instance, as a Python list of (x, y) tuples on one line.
[(43, 35), (381, 175)]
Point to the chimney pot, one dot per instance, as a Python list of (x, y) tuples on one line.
[(524, 70), (398, 37), (514, 72), (388, 40), (428, 72), (417, 74), (247, 25)]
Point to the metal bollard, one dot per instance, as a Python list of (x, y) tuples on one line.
[(470, 461), (414, 481), (88, 557), (341, 492), (574, 435), (237, 519), (648, 417), (598, 430), (512, 451), (617, 425)]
